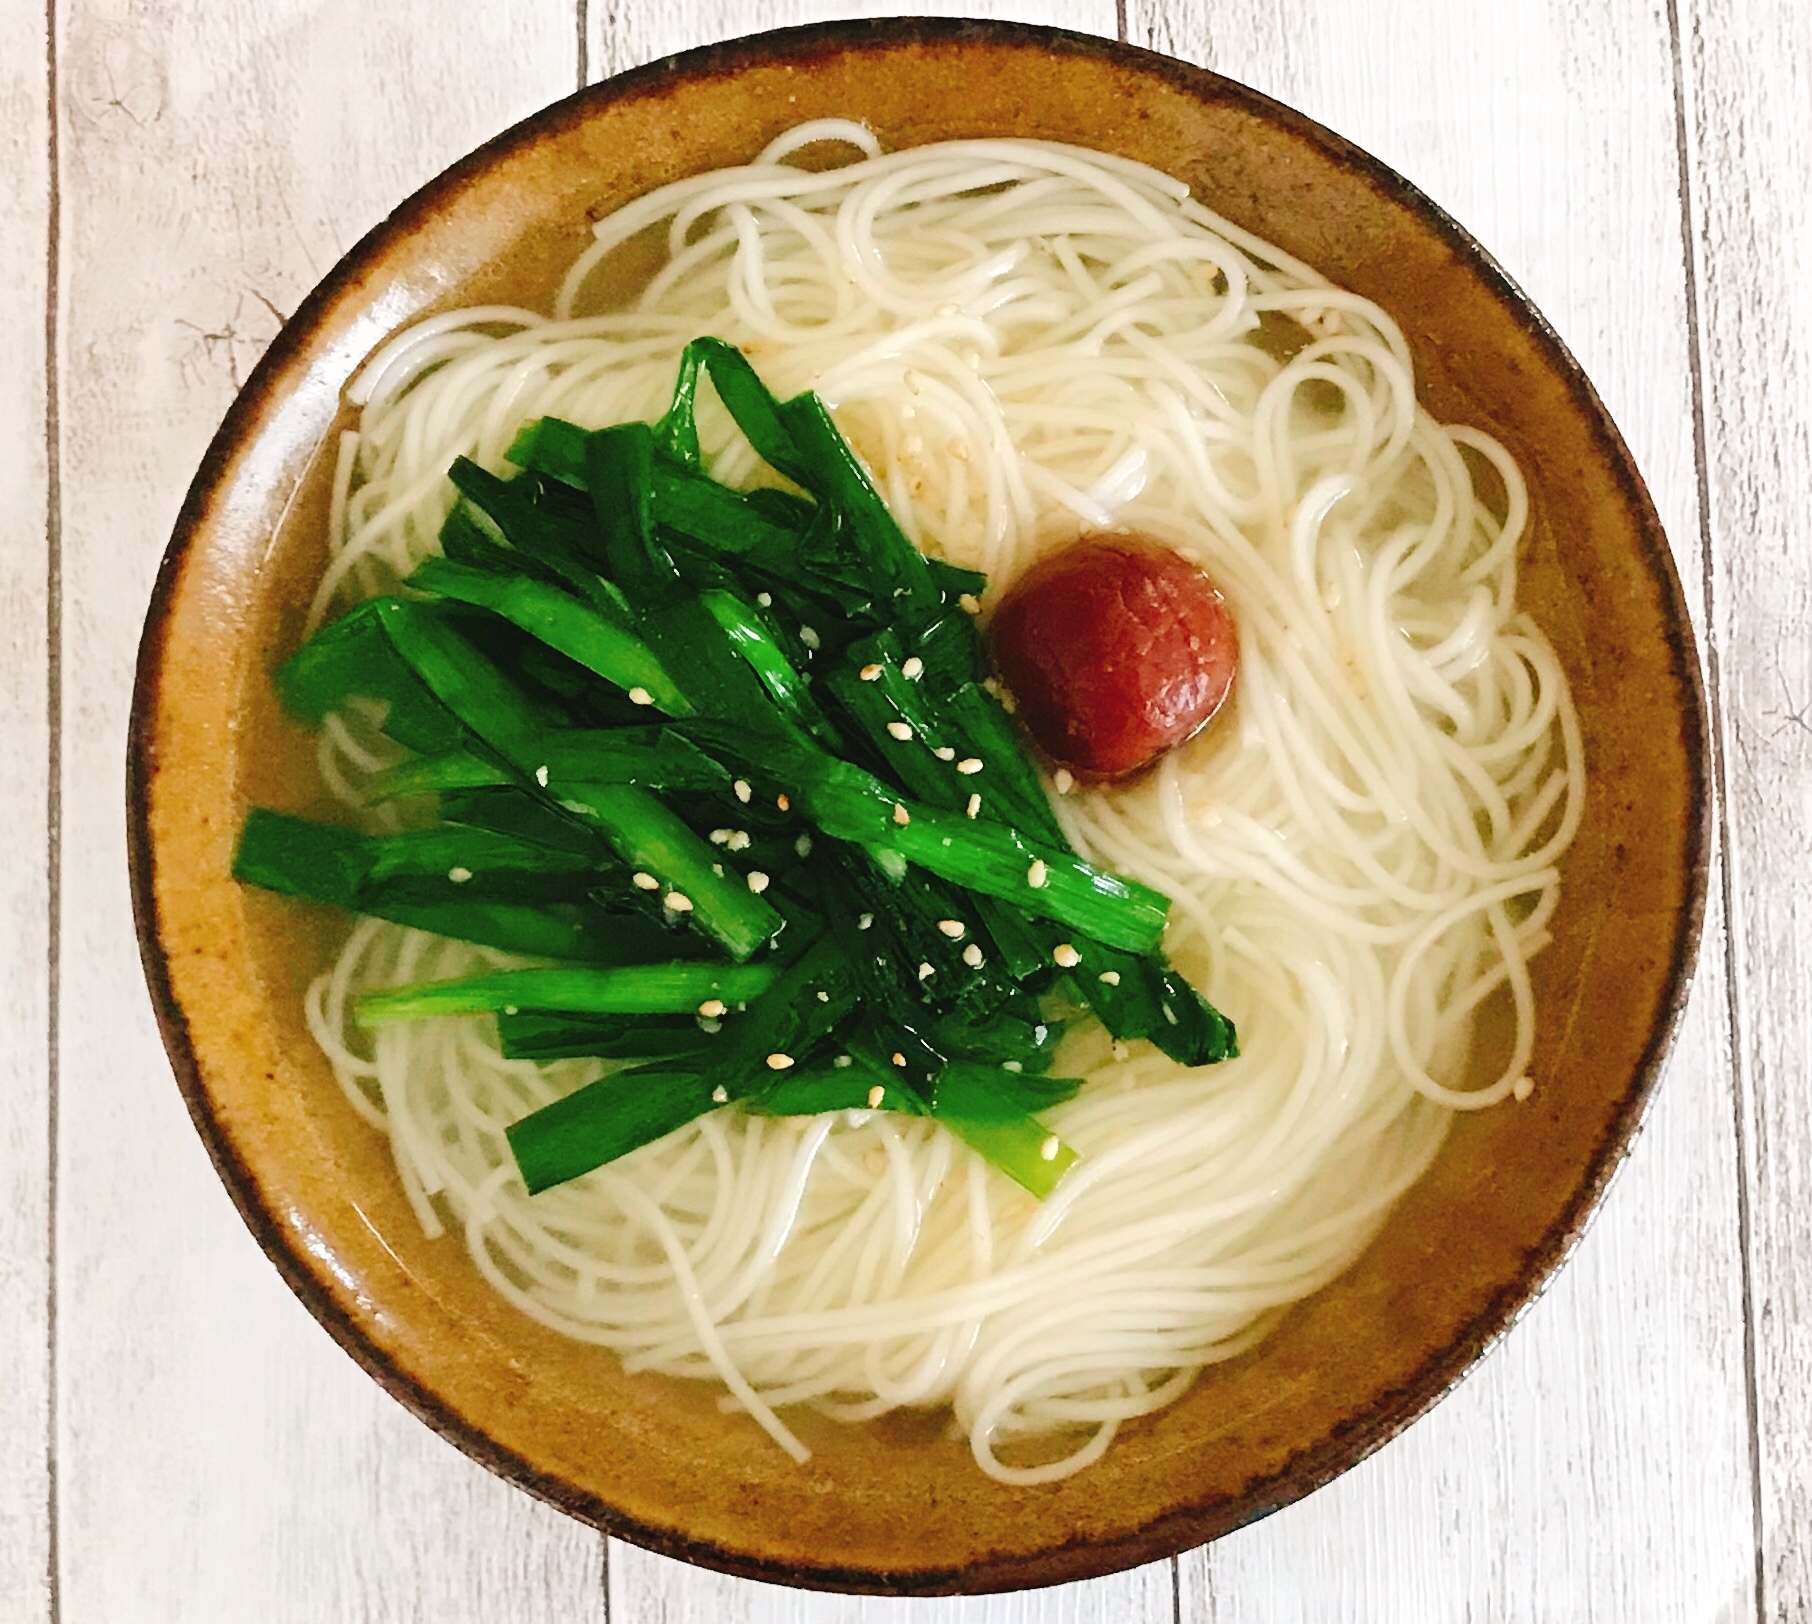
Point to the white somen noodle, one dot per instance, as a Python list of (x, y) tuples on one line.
[(1027, 341)]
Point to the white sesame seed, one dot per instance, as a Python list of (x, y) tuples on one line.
[(1040, 1033), (870, 673), (809, 637), (710, 1025), (1111, 977), (678, 901), (842, 1062), (1121, 1051), (510, 1009), (953, 928), (875, 1096), (1064, 780), (972, 956), (739, 840), (721, 1094), (765, 599), (970, 603), (823, 997), (720, 837), (1169, 1014), (718, 870), (1066, 955), (1522, 1088), (1048, 1150), (644, 881), (969, 765), (803, 845), (741, 786), (900, 730), (541, 776), (1038, 876), (640, 696), (779, 1062), (1014, 1066), (459, 876), (898, 1058), (711, 1008), (758, 882), (973, 809), (900, 815), (927, 971), (783, 801), (913, 669), (865, 921), (944, 753), (959, 449)]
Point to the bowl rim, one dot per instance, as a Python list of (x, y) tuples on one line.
[(333, 1305)]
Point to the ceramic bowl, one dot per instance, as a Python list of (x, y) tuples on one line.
[(898, 1507)]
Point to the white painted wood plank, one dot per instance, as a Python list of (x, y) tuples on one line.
[(24, 774), (1748, 93), (624, 33), (219, 1458), (1597, 1466)]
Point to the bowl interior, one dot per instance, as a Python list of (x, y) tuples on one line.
[(898, 1505)]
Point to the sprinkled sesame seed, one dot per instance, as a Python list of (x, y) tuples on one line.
[(970, 603), (640, 696), (823, 997), (809, 637), (900, 815), (842, 1062), (1040, 1033), (913, 668), (927, 971), (1121, 1051), (1111, 977), (710, 1025), (870, 673), (898, 1058), (678, 901), (944, 753), (1522, 1088), (783, 802), (875, 1096), (953, 928), (973, 809), (959, 449), (459, 876), (1169, 1014), (741, 786), (1012, 1065), (779, 1062), (720, 837), (969, 764), (721, 1094), (711, 1008), (1066, 956), (803, 845), (865, 921), (510, 1009), (1048, 1150), (972, 956), (758, 882), (643, 881), (718, 870), (739, 840), (765, 599), (1064, 780), (900, 730), (1038, 876), (541, 776)]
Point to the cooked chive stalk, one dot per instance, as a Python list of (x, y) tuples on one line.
[(640, 989), (980, 1107), (602, 1121)]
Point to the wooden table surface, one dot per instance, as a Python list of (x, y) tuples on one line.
[(179, 1441)]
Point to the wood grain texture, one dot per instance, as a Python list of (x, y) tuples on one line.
[(1596, 1466), (25, 212), (219, 1458), (1748, 116), (646, 1587)]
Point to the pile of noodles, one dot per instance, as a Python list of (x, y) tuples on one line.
[(1027, 341)]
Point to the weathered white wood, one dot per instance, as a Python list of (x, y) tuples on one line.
[(624, 33), (25, 193), (219, 1458), (1597, 1465), (1748, 100)]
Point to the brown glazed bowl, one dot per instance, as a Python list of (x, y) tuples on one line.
[(899, 1507)]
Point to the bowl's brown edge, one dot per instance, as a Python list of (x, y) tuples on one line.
[(1182, 1529)]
